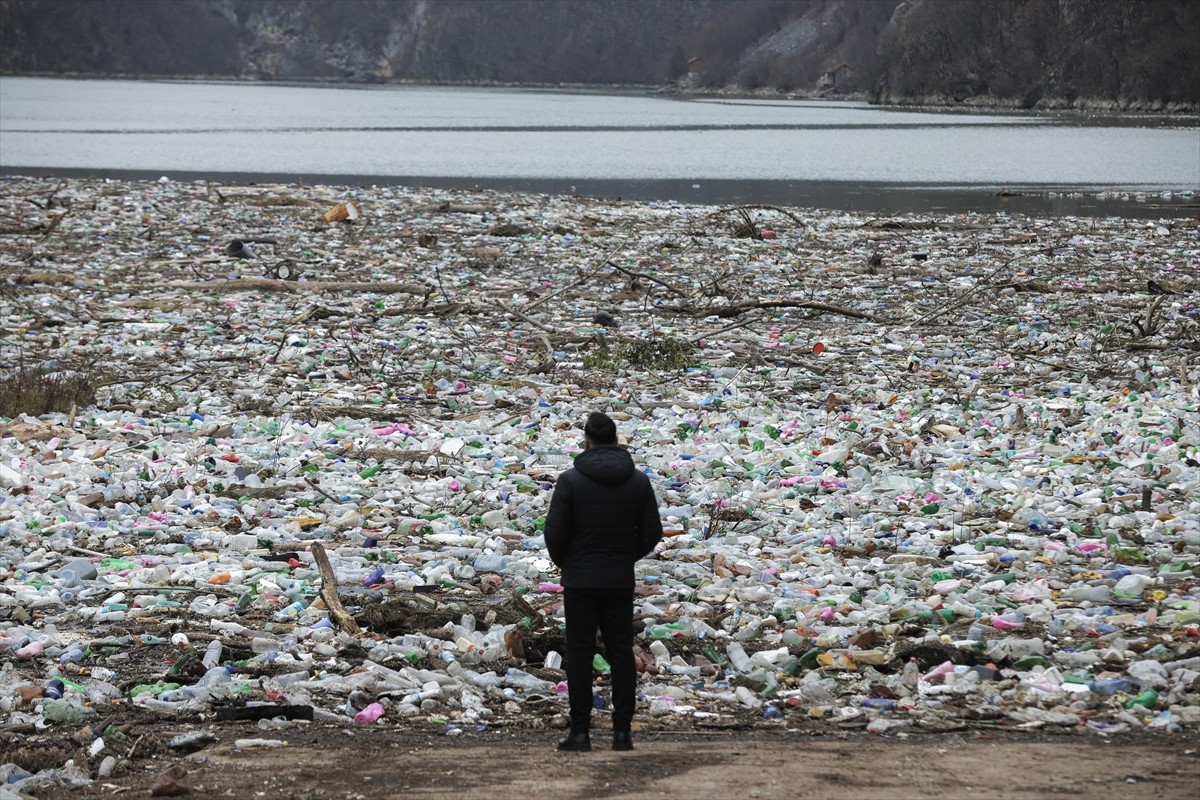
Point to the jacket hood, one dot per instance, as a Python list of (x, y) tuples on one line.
[(609, 464)]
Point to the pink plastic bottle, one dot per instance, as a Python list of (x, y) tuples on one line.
[(31, 650), (370, 714), (940, 671)]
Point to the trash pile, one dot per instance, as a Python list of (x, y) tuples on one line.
[(923, 472)]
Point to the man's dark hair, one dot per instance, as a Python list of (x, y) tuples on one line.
[(600, 429)]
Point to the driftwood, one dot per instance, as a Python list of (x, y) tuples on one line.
[(540, 326), (648, 277), (587, 276), (296, 287), (329, 593), (46, 278), (759, 206), (736, 309), (454, 208)]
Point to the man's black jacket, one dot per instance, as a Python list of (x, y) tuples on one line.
[(603, 517)]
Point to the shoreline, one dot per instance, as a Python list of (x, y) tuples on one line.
[(1143, 110), (882, 198)]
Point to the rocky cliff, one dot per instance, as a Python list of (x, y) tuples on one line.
[(1035, 53), (1027, 53), (510, 41)]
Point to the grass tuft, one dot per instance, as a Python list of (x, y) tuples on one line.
[(28, 390)]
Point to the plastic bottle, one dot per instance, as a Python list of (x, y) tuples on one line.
[(746, 697), (370, 714), (265, 644), (212, 654), (1007, 624), (520, 679), (72, 655), (1012, 647), (737, 657), (1146, 699), (666, 631), (769, 659), (940, 671), (64, 711), (1112, 686), (1094, 594), (1026, 663), (213, 677), (490, 563), (1132, 586), (31, 650), (274, 724), (76, 571)]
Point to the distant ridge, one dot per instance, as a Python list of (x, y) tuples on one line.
[(1113, 54)]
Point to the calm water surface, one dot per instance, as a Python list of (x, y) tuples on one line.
[(634, 145)]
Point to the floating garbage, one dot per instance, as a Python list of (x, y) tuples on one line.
[(343, 212), (929, 472)]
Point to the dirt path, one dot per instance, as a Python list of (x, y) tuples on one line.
[(358, 764)]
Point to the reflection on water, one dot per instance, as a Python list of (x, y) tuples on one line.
[(839, 155)]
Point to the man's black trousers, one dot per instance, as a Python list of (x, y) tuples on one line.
[(611, 612)]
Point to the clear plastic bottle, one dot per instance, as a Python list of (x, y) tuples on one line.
[(1093, 593), (1014, 648), (737, 657), (1112, 686), (212, 654), (490, 563), (243, 744)]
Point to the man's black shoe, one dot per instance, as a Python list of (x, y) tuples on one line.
[(622, 740), (576, 743)]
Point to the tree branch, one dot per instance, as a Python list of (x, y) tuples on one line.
[(735, 309)]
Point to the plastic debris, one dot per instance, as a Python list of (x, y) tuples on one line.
[(343, 212), (952, 483)]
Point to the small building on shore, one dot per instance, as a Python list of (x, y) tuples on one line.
[(832, 77)]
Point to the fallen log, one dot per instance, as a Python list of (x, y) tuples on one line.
[(736, 309), (329, 593), (307, 287)]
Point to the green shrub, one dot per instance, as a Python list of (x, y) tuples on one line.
[(662, 351)]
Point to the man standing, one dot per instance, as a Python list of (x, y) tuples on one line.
[(603, 517)]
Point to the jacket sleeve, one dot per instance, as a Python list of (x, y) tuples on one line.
[(557, 529), (650, 530)]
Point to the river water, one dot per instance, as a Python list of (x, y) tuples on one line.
[(632, 145)]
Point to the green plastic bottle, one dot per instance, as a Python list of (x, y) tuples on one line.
[(1147, 699), (666, 631), (1027, 663), (808, 661), (714, 655)]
